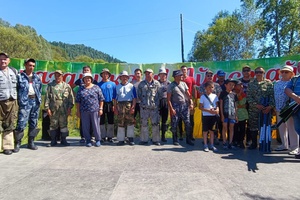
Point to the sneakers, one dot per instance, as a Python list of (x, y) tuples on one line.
[(225, 146), (88, 144), (98, 143), (82, 140), (281, 148), (294, 152), (205, 148), (213, 148), (231, 146)]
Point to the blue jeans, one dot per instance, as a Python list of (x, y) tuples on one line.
[(28, 113), (296, 118)]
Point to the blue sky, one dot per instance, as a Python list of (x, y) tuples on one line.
[(135, 31)]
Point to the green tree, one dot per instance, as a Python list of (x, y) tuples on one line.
[(225, 39), (83, 58), (281, 26)]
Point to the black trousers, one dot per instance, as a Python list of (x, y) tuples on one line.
[(107, 113)]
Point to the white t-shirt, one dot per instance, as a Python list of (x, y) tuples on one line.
[(206, 104)]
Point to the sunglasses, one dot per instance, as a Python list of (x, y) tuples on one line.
[(209, 75), (285, 72), (247, 70), (259, 72)]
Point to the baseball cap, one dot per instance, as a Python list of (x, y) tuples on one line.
[(148, 70), (246, 67), (4, 54), (59, 71), (221, 73), (177, 73), (209, 72)]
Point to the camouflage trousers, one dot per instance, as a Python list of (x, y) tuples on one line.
[(183, 113), (8, 116), (124, 116), (28, 113), (59, 120), (154, 117), (253, 121)]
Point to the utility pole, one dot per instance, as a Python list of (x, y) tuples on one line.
[(182, 49)]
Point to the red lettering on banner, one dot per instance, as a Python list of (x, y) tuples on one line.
[(272, 74), (69, 78), (235, 75)]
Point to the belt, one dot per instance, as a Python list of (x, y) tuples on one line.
[(31, 96)]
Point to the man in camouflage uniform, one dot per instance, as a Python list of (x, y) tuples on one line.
[(59, 101), (8, 103), (257, 89), (29, 99), (180, 103), (149, 94), (125, 102)]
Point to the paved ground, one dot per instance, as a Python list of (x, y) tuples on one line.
[(147, 172)]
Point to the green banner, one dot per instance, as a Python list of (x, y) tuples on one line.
[(73, 71)]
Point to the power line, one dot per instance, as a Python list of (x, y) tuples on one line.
[(194, 22), (128, 35), (108, 27)]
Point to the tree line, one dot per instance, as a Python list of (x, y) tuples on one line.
[(21, 41), (258, 29)]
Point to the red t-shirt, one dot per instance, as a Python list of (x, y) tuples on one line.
[(190, 82)]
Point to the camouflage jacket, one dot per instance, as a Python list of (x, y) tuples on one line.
[(258, 90), (58, 96), (149, 94)]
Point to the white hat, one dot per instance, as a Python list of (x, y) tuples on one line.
[(148, 70), (87, 75), (287, 68), (124, 73), (162, 70)]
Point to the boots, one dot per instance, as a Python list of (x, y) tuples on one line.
[(174, 137), (64, 138), (31, 144), (53, 134), (17, 146), (18, 135), (189, 139), (163, 132), (254, 139), (32, 133)]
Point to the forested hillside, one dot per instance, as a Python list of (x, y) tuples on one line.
[(21, 41)]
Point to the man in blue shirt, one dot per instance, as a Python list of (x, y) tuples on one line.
[(109, 92), (29, 98)]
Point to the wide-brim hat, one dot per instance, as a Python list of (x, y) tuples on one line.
[(87, 75), (162, 71), (105, 70), (287, 68), (124, 73)]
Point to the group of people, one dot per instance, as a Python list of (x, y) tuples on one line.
[(229, 107)]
